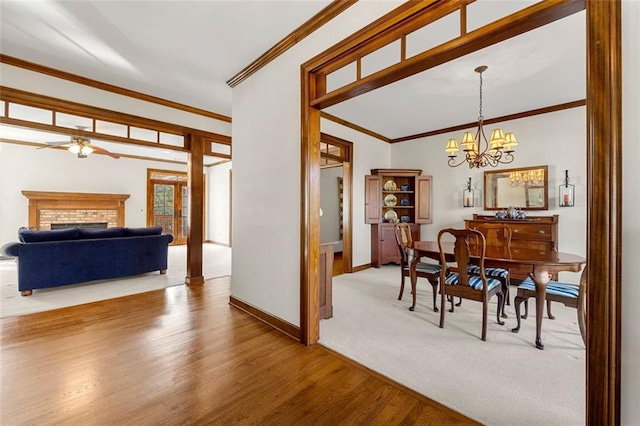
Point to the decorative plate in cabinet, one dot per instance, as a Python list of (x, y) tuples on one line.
[(390, 186), (390, 200)]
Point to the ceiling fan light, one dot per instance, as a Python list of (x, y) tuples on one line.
[(74, 149), (86, 150)]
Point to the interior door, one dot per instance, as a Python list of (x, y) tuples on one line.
[(170, 204)]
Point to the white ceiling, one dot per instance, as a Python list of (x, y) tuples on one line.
[(185, 51)]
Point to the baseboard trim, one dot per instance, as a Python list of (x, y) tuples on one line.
[(287, 328), (217, 243), (361, 267), (194, 280)]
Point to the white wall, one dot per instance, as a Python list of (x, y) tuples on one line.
[(25, 168), (218, 203), (556, 139), (630, 212), (266, 157)]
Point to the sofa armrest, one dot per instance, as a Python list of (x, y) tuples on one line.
[(10, 249)]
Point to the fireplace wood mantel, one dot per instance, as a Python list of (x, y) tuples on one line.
[(39, 200)]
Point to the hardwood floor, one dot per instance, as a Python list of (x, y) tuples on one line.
[(184, 356), (338, 264)]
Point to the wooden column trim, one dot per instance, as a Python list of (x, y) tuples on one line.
[(309, 213), (195, 231), (604, 210)]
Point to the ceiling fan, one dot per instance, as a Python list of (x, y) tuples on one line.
[(80, 146)]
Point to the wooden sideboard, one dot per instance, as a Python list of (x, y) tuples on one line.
[(539, 232)]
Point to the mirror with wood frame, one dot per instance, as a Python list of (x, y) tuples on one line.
[(525, 188)]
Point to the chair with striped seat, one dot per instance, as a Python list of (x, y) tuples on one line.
[(423, 270), (461, 283), (499, 235), (571, 295)]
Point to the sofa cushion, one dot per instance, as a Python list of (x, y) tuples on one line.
[(28, 236), (92, 233), (141, 232)]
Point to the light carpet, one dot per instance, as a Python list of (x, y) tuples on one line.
[(503, 381), (216, 263)]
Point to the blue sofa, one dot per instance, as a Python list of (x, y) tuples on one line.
[(74, 255)]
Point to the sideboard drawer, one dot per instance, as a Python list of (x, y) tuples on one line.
[(540, 232), (537, 232)]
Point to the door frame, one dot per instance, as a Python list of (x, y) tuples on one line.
[(347, 199), (604, 165)]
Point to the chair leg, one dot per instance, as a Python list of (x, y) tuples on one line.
[(442, 305), (451, 299), (582, 323), (505, 293), (485, 308), (549, 310), (500, 308), (508, 284), (401, 283), (459, 301), (526, 309), (435, 294), (517, 301)]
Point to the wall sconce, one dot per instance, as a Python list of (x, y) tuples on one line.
[(467, 195), (566, 192)]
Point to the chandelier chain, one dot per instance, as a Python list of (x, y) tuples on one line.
[(480, 117)]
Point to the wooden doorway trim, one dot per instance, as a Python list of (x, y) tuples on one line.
[(347, 199), (604, 210), (604, 173)]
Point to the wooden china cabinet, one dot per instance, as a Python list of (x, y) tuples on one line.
[(393, 195)]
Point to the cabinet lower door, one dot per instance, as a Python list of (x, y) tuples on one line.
[(384, 248)]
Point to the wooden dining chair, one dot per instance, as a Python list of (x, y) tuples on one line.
[(461, 283), (423, 270), (571, 295), (499, 235)]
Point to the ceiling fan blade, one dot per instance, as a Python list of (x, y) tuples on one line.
[(99, 150), (52, 144)]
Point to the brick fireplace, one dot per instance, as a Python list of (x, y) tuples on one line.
[(75, 208)]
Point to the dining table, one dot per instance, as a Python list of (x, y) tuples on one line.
[(542, 263)]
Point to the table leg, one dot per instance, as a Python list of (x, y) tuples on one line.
[(541, 278), (413, 261)]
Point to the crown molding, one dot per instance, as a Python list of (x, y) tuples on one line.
[(354, 126), (530, 113), (42, 69), (325, 15)]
